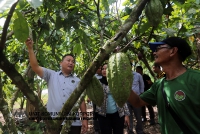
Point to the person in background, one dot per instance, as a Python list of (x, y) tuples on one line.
[(60, 84), (147, 85), (98, 73), (138, 87), (158, 71), (110, 116), (180, 86)]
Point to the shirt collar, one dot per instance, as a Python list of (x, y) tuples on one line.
[(61, 73)]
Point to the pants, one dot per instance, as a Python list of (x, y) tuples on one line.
[(111, 124), (151, 112), (137, 113), (95, 121)]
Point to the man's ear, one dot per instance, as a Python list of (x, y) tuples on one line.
[(174, 50)]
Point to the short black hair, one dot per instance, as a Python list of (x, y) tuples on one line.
[(139, 67), (68, 55)]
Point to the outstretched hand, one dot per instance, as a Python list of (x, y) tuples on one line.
[(29, 43)]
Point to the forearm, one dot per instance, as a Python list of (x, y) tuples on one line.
[(135, 100), (83, 109), (33, 62)]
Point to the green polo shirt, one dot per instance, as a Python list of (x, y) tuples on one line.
[(183, 94)]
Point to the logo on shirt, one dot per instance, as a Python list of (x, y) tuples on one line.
[(179, 95), (73, 81)]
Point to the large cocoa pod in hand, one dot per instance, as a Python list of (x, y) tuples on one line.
[(120, 77), (95, 91), (154, 12)]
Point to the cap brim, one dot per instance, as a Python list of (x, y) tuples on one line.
[(154, 45)]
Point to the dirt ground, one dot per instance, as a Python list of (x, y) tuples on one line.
[(148, 129)]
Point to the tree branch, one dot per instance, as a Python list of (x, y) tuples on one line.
[(18, 80), (5, 27)]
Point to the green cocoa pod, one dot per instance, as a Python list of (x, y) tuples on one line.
[(95, 91), (154, 12), (120, 77)]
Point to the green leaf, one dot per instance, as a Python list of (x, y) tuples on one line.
[(22, 3), (36, 18), (20, 28), (125, 17), (105, 4), (59, 22), (192, 11), (72, 7), (128, 10), (77, 49), (137, 44), (169, 31), (181, 1), (144, 27)]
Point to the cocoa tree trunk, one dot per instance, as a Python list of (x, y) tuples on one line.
[(9, 125)]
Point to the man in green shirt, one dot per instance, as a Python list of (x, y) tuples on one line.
[(181, 85)]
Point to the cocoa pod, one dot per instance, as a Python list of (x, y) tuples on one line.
[(94, 91), (154, 12), (120, 77)]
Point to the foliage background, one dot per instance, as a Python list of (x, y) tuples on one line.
[(84, 28)]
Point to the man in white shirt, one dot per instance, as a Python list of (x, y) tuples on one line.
[(60, 85)]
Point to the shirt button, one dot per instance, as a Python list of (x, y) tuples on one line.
[(63, 89), (63, 103), (63, 95)]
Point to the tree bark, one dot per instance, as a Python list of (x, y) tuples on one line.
[(9, 125)]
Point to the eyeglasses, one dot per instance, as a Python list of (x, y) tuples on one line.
[(158, 48)]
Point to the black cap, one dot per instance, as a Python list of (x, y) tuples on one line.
[(184, 49)]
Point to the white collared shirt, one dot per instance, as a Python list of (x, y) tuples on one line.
[(60, 88)]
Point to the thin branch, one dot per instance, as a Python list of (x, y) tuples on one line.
[(6, 24), (133, 39)]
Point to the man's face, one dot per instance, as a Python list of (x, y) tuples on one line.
[(68, 64), (162, 53)]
